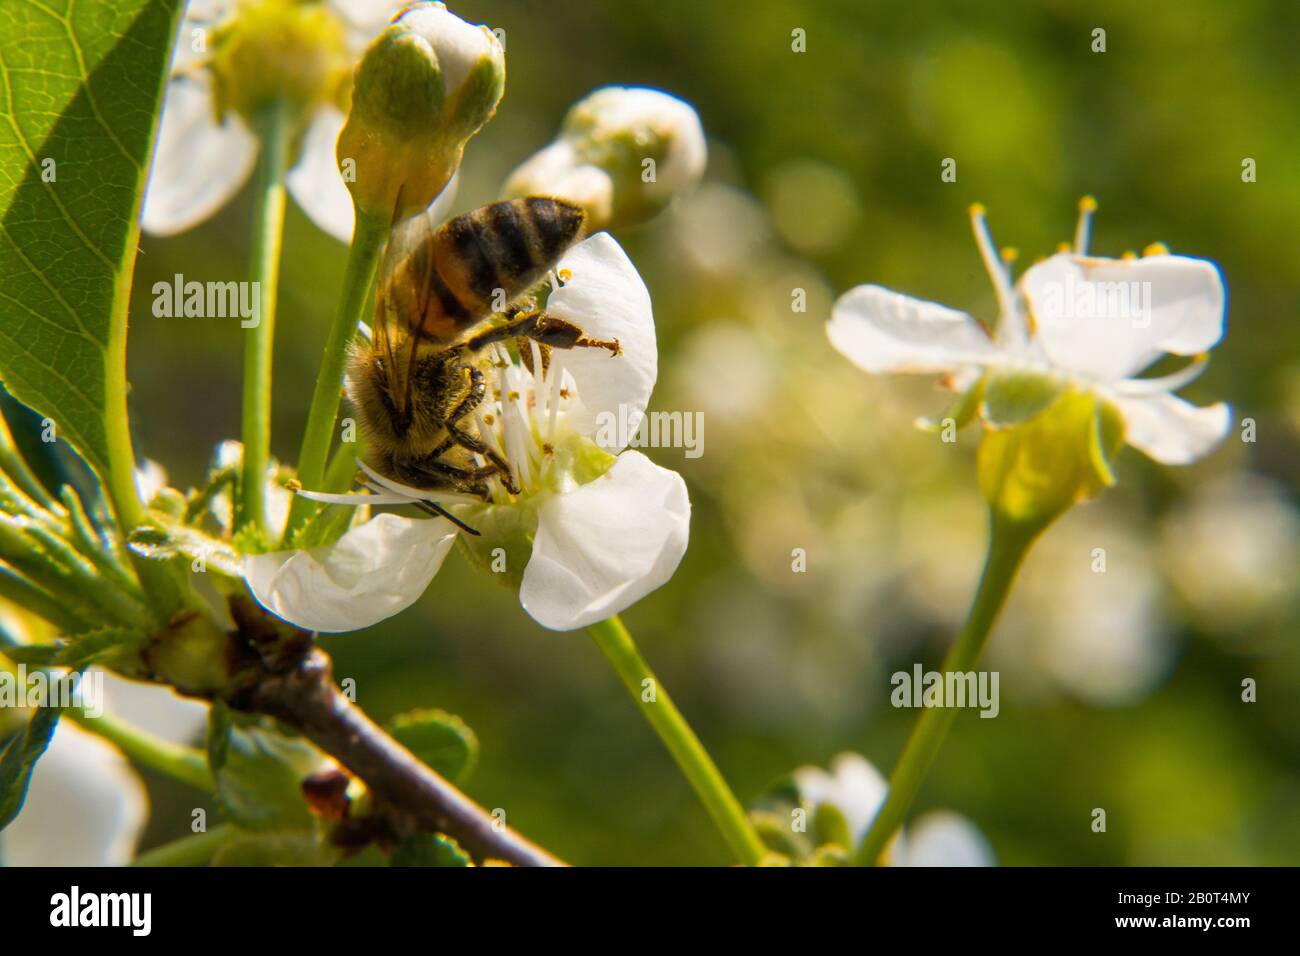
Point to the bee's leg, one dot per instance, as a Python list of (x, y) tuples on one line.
[(544, 329), (474, 443), (556, 333)]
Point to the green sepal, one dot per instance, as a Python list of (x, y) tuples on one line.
[(1032, 472), (831, 826), (1011, 396)]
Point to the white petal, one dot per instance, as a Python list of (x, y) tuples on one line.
[(316, 183), (374, 571), (1111, 318), (853, 786), (1170, 430), (883, 331), (150, 478), (154, 707), (84, 806), (459, 46), (943, 838), (197, 165), (607, 299), (603, 547)]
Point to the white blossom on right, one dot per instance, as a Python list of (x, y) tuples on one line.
[(1072, 321)]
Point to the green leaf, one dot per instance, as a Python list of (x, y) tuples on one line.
[(275, 849), (79, 651), (259, 773), (429, 849), (164, 541), (81, 85), (441, 740), (18, 760)]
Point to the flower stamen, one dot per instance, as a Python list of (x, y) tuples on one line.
[(1166, 383), (1083, 231)]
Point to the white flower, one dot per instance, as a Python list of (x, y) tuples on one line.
[(1072, 320), (857, 790), (206, 149), (594, 529), (623, 153), (85, 806)]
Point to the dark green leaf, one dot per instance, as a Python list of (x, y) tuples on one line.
[(19, 760), (441, 740), (259, 773), (81, 86), (429, 849)]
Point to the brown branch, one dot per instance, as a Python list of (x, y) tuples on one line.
[(304, 696)]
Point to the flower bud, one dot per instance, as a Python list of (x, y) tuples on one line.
[(1033, 471), (623, 153), (424, 87)]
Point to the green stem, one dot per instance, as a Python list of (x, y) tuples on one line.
[(268, 231), (198, 849), (368, 240), (1008, 544), (172, 760), (617, 645)]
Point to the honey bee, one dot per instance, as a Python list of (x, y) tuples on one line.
[(416, 383)]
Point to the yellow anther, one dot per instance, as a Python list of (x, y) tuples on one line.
[(1156, 249), (1129, 254), (293, 485), (1063, 247), (1010, 255), (1087, 204), (977, 210)]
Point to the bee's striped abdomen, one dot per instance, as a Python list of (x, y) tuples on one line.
[(505, 246)]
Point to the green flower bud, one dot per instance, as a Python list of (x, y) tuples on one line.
[(424, 87), (1033, 471), (278, 53), (624, 153)]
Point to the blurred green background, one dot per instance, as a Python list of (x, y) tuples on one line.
[(1119, 690)]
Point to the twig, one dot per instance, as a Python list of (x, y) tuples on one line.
[(305, 697)]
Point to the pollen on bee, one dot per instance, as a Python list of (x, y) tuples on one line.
[(489, 420)]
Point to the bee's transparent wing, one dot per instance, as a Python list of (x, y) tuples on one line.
[(402, 299)]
